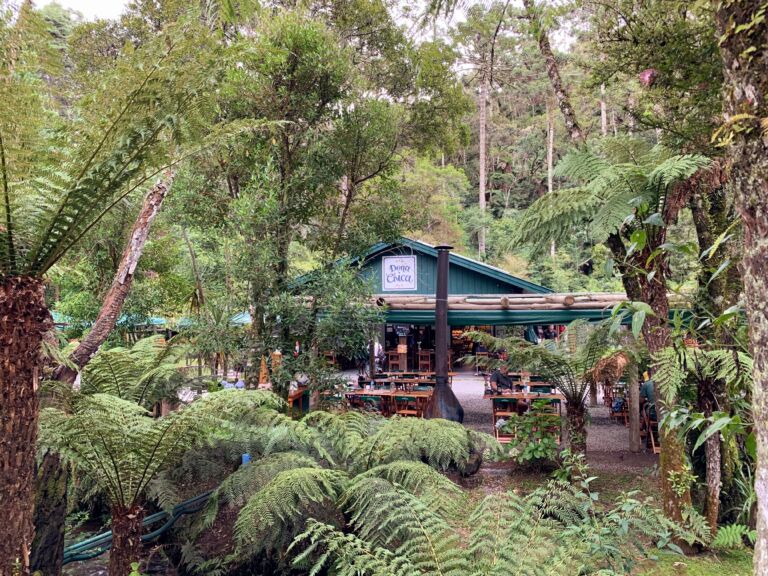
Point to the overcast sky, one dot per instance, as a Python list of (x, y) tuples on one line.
[(92, 9)]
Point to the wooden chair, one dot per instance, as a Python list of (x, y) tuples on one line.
[(503, 408), (607, 395), (617, 393), (425, 361), (408, 406), (651, 431), (393, 362)]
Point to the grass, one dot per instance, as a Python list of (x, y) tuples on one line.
[(734, 563)]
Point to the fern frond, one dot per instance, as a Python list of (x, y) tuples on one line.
[(240, 486), (434, 489), (440, 443), (388, 516), (347, 554), (732, 537), (278, 510), (554, 217), (676, 169)]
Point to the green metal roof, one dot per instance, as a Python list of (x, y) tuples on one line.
[(466, 276)]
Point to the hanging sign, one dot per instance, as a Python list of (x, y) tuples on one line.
[(398, 273)]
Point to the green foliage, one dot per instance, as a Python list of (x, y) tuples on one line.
[(338, 469), (626, 183), (534, 440), (143, 374), (732, 536), (122, 448), (559, 526), (564, 364), (675, 365), (114, 140), (679, 42), (275, 511)]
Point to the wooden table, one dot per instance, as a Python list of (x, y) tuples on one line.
[(404, 383), (499, 411), (388, 397)]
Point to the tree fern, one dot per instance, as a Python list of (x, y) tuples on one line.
[(558, 529), (347, 554), (111, 142), (674, 365), (277, 510), (122, 448), (389, 516), (419, 479), (620, 182)]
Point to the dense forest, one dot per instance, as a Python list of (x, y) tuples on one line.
[(180, 184)]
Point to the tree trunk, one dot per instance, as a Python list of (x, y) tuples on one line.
[(593, 393), (195, 270), (483, 162), (603, 112), (577, 428), (634, 406), (714, 476), (637, 287), (742, 34), (126, 539), (50, 516), (550, 164), (24, 319), (553, 71), (672, 462), (121, 284)]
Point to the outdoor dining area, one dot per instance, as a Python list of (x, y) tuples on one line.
[(395, 393), (515, 394)]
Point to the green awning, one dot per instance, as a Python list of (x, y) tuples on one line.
[(497, 317)]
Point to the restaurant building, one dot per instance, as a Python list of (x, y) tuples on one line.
[(480, 297)]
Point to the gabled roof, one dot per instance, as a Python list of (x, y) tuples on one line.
[(454, 260)]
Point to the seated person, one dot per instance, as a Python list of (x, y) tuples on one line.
[(647, 395), (500, 379)]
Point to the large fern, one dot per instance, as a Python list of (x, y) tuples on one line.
[(620, 182), (122, 448), (111, 140), (558, 529), (565, 364)]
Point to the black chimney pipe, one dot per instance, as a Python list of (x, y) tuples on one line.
[(443, 403)]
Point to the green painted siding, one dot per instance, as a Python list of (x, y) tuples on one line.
[(460, 280)]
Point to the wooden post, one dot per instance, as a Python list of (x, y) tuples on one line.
[(372, 358), (634, 406)]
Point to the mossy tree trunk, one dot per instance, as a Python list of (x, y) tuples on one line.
[(24, 319), (743, 30), (576, 419), (50, 516), (126, 538)]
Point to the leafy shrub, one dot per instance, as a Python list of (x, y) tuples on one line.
[(534, 437)]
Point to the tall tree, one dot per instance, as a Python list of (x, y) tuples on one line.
[(615, 173), (55, 185), (121, 284), (540, 32), (743, 31)]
